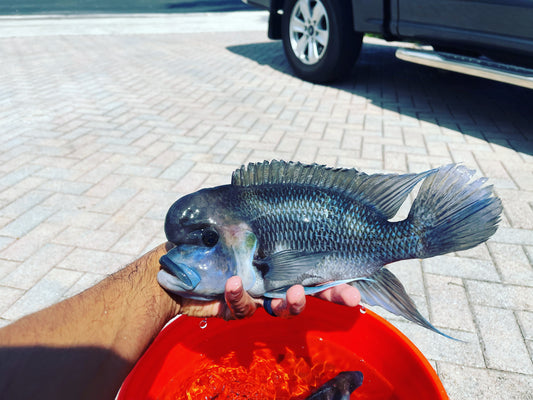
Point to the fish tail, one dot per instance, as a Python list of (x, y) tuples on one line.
[(453, 213)]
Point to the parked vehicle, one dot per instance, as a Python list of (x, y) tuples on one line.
[(488, 38)]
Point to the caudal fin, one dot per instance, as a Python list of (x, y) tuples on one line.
[(451, 213)]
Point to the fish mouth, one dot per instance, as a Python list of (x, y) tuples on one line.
[(176, 276)]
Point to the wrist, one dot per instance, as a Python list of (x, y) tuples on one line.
[(152, 307)]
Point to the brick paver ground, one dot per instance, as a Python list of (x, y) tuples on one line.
[(101, 129)]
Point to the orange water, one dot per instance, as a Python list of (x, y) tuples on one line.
[(288, 375)]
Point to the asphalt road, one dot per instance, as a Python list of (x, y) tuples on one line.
[(36, 7)]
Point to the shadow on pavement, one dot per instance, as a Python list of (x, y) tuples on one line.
[(488, 110), (32, 372)]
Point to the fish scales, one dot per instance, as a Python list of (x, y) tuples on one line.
[(302, 217), (280, 223)]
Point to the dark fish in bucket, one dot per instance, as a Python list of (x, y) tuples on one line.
[(282, 223), (339, 388)]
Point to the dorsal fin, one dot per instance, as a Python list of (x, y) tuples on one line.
[(384, 192), (279, 172)]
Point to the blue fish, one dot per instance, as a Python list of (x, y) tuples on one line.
[(338, 388), (283, 223)]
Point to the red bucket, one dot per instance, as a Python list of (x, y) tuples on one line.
[(348, 335)]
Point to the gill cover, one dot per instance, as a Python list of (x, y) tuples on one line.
[(200, 272)]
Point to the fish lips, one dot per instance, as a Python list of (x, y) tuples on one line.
[(176, 276)]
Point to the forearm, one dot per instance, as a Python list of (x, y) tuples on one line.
[(83, 347), (91, 340)]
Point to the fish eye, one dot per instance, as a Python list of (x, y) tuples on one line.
[(209, 237)]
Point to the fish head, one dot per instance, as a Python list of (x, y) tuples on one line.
[(211, 245)]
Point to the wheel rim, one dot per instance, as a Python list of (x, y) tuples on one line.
[(309, 31)]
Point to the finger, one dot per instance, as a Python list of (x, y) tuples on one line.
[(343, 294), (295, 299), (240, 303), (293, 304)]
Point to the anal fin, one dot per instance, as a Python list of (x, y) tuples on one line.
[(385, 290)]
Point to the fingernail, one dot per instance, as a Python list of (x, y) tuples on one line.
[(297, 308), (233, 287)]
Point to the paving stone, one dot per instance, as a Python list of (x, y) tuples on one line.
[(95, 261), (499, 295), (26, 222), (529, 344), (68, 187), (436, 347), (87, 238), (6, 267), (24, 247), (138, 170), (28, 273), (461, 267), (114, 201), (512, 263), (63, 201), (513, 236), (17, 175), (78, 218), (463, 156), (56, 173), (136, 239), (529, 252), (525, 320), (5, 241), (132, 212), (516, 207), (449, 303), (86, 281), (46, 292), (106, 185), (523, 179), (8, 296), (463, 382), (24, 203), (480, 252), (409, 272), (177, 170), (373, 150), (504, 347), (159, 211)]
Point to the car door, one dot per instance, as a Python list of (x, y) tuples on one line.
[(501, 25)]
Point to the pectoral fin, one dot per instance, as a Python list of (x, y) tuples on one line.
[(286, 265), (385, 290)]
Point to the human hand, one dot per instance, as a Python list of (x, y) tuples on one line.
[(239, 304)]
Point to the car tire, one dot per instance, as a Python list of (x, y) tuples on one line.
[(318, 38)]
